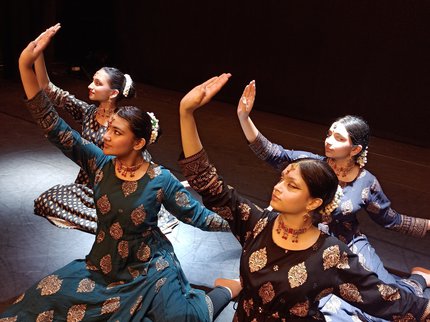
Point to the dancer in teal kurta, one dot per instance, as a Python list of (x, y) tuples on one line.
[(131, 272)]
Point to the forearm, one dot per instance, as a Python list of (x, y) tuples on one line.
[(191, 143), (28, 79), (249, 129), (41, 72)]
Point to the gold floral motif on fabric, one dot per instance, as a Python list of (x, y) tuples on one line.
[(182, 199), (161, 264), (66, 139), (138, 215), (373, 207), (116, 231), (100, 236), (160, 195), (266, 292), (128, 187), (365, 194), (19, 298), (144, 252), (159, 284), (92, 164), (86, 285), (90, 266), (98, 176), (133, 272), (350, 292), (343, 261), (103, 204), (258, 260), (76, 313), (112, 285), (323, 293), (9, 319), (248, 305), (111, 305), (404, 318), (331, 257), (49, 285), (245, 210), (300, 309), (123, 248), (259, 226), (47, 316), (224, 212), (297, 275), (106, 264), (154, 171), (346, 207), (136, 305), (248, 235), (388, 293)]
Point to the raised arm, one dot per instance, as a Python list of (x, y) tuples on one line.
[(28, 57), (244, 108), (197, 97)]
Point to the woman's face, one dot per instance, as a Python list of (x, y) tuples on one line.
[(338, 144), (291, 194), (118, 140), (99, 89)]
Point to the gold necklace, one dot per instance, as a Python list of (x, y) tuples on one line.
[(124, 170), (285, 230), (341, 171)]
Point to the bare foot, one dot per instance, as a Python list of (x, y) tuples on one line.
[(232, 284), (423, 272)]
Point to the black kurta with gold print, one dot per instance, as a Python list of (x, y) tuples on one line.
[(281, 285)]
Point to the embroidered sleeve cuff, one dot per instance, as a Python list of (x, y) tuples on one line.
[(42, 111), (260, 146), (412, 226)]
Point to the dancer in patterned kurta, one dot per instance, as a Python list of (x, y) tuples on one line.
[(131, 272), (287, 264), (346, 152), (72, 205)]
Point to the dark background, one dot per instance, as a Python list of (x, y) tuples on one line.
[(312, 60)]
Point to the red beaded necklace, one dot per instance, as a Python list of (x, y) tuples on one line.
[(124, 170), (290, 231)]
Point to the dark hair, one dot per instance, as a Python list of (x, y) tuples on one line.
[(117, 81), (358, 130), (140, 123), (321, 181)]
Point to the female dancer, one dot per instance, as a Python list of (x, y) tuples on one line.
[(346, 149), (131, 272), (287, 263)]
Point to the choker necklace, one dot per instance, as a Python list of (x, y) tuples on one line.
[(290, 231), (104, 113), (124, 170), (341, 171)]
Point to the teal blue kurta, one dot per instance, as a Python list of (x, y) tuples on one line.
[(131, 272)]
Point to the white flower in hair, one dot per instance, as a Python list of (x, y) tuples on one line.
[(328, 209), (154, 127), (127, 85), (362, 159)]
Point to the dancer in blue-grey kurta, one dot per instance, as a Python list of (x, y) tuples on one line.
[(131, 272)]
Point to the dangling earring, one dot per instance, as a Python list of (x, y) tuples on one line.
[(306, 217)]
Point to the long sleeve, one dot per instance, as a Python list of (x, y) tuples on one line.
[(63, 99), (84, 153), (179, 202), (275, 155), (364, 290), (242, 214), (378, 206)]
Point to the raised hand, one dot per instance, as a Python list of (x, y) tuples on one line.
[(203, 93), (246, 102), (37, 46)]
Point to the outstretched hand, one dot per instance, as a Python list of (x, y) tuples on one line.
[(203, 93), (246, 102), (37, 46)]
